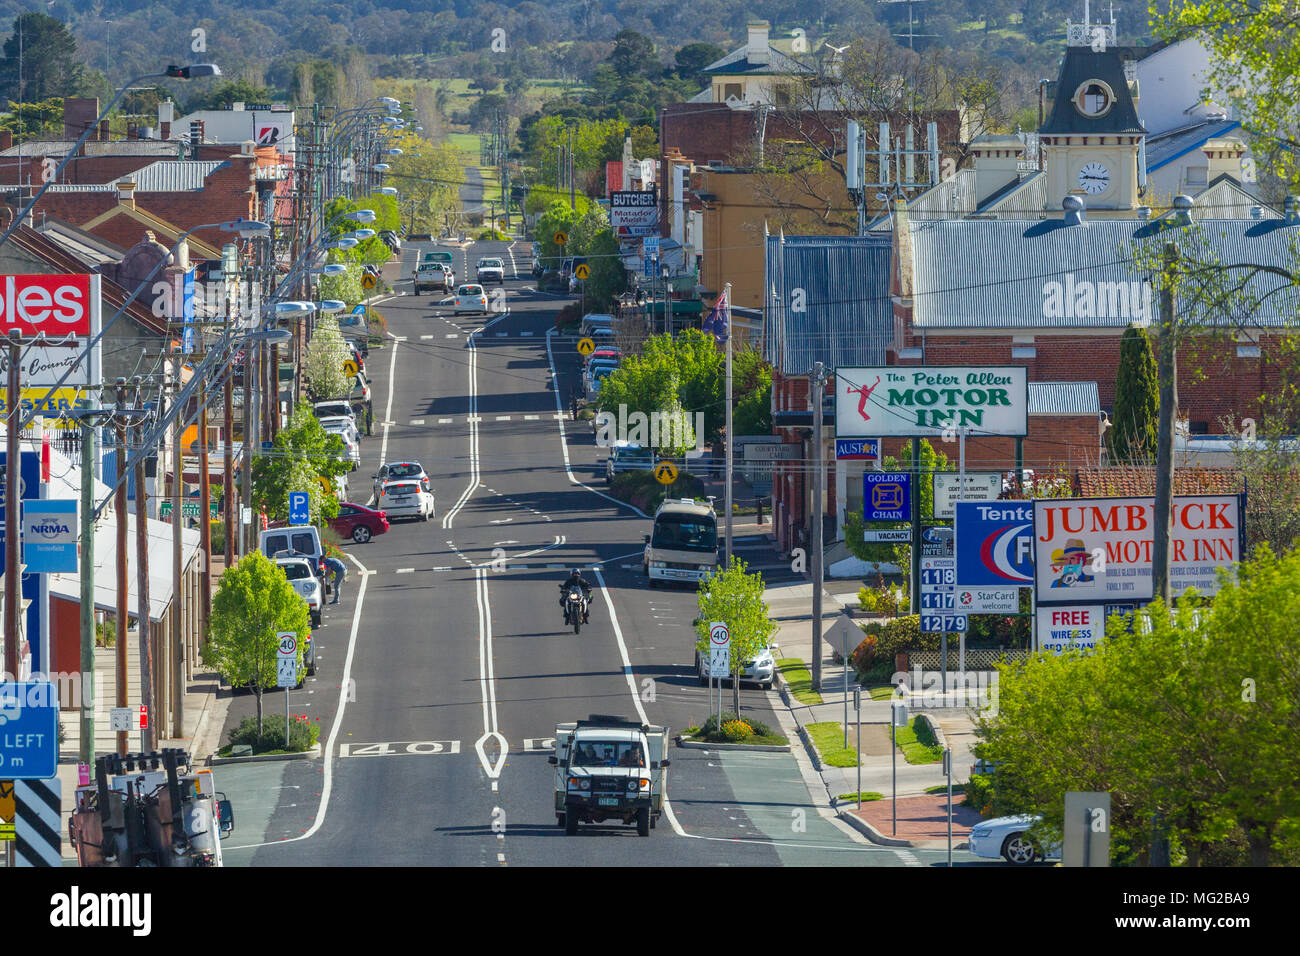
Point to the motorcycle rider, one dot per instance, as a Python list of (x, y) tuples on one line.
[(577, 580)]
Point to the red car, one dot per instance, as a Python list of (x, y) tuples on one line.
[(359, 522), (605, 352)]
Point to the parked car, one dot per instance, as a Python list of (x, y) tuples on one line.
[(301, 574), (490, 269), (359, 391), (605, 352), (471, 298), (359, 522), (1009, 838), (627, 456), (595, 320), (295, 539), (761, 670), (401, 469), (346, 430), (405, 499), (354, 329), (334, 408)]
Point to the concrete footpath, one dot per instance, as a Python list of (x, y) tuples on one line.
[(921, 822)]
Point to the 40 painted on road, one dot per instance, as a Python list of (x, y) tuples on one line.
[(397, 748)]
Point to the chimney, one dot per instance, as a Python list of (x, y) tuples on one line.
[(79, 115), (126, 192), (904, 268), (1074, 210), (997, 163), (196, 133), (103, 131), (166, 116), (6, 139), (757, 50), (132, 131)]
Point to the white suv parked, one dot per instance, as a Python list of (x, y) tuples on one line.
[(298, 569)]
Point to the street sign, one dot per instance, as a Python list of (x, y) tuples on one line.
[(287, 659), (887, 496), (29, 730), (299, 507), (368, 282), (120, 718), (351, 368), (586, 346), (561, 238), (582, 272), (773, 451), (857, 449), (1086, 840), (888, 535), (720, 649), (665, 472), (980, 486), (189, 509)]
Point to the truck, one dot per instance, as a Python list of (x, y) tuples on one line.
[(434, 271), (684, 543), (149, 810), (609, 768)]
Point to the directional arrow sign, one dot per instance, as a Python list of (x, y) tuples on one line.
[(299, 508)]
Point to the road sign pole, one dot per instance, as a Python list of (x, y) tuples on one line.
[(857, 712), (947, 767), (286, 718), (893, 767)]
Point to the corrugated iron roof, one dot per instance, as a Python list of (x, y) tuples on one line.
[(1064, 398), (828, 301), (1001, 273), (172, 176), (1164, 148), (737, 62)]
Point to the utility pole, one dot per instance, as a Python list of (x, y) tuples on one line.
[(88, 420), (572, 202), (817, 386), (177, 662), (252, 369), (144, 624), (731, 444), (119, 507), (1167, 374), (13, 592), (205, 521), (228, 451)]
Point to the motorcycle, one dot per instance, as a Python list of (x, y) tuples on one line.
[(575, 608)]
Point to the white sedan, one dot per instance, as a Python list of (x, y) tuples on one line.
[(405, 499), (471, 298), (347, 433), (1008, 838)]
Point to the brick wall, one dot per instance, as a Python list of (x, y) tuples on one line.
[(82, 170)]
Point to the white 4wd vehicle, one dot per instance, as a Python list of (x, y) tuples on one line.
[(609, 768), (491, 270), (300, 574)]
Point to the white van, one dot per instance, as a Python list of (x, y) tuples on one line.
[(300, 539)]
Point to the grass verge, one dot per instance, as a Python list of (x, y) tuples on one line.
[(797, 676), (958, 789), (913, 750), (867, 796), (828, 738), (882, 692)]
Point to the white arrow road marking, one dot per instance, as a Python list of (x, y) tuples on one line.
[(487, 682)]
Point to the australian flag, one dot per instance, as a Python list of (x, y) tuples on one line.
[(718, 322)]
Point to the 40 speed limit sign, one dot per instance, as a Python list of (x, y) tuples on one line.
[(287, 659)]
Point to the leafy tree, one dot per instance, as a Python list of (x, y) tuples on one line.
[(345, 287), (428, 176), (557, 218), (322, 368), (634, 53), (1254, 62), (50, 65), (34, 119), (254, 601), (735, 597), (302, 454), (752, 391), (1132, 435), (224, 95), (691, 60)]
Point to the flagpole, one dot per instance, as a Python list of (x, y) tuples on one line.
[(730, 440)]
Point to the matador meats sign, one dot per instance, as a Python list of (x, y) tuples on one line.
[(926, 400)]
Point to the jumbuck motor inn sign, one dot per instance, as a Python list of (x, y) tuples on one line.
[(920, 401), (1089, 550)]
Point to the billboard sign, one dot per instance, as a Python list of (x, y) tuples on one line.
[(980, 486), (890, 400), (1100, 549), (857, 449), (57, 305), (1070, 627), (995, 543), (988, 600), (49, 536), (886, 496), (634, 213), (53, 408)]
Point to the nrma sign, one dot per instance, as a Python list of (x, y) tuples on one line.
[(995, 543)]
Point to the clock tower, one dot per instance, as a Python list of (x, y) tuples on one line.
[(1092, 139)]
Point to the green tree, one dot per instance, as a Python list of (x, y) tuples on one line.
[(428, 176), (634, 53), (50, 65), (322, 368), (691, 60), (735, 597), (1132, 435), (557, 218), (224, 95), (302, 454), (26, 120), (1254, 62), (254, 601)]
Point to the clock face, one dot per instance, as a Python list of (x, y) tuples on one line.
[(1094, 178)]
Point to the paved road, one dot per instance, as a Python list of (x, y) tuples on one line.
[(445, 668)]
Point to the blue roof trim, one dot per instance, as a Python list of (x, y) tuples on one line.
[(1229, 127)]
